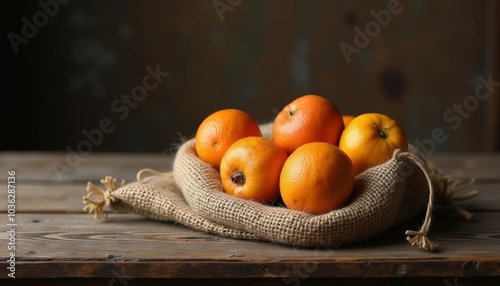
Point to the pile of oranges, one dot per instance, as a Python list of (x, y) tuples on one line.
[(311, 161)]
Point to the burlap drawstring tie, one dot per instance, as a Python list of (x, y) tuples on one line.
[(151, 172), (444, 188), (419, 238)]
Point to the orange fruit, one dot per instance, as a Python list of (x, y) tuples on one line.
[(309, 118), (347, 119), (251, 169), (316, 178), (370, 139), (220, 130)]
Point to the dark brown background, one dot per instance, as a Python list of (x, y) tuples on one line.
[(258, 57)]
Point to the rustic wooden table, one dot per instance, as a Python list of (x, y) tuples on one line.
[(56, 242)]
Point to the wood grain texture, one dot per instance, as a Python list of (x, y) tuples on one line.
[(40, 190), (51, 197), (84, 247), (482, 166), (48, 197), (43, 166), (415, 68), (492, 66), (56, 240), (305, 281), (38, 166)]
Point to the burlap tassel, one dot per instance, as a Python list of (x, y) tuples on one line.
[(419, 238), (103, 197), (447, 189)]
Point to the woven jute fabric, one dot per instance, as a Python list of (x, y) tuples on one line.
[(159, 198), (383, 196), (193, 195)]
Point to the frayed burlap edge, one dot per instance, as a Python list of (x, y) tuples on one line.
[(137, 197)]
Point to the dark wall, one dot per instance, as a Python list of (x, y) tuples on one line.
[(419, 62)]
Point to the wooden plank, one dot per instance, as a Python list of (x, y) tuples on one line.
[(281, 66), (244, 59), (130, 228), (39, 166), (482, 166), (76, 245), (487, 200), (129, 280), (66, 197), (292, 271), (46, 197), (492, 66), (62, 167)]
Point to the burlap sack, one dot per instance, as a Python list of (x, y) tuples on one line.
[(193, 195)]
